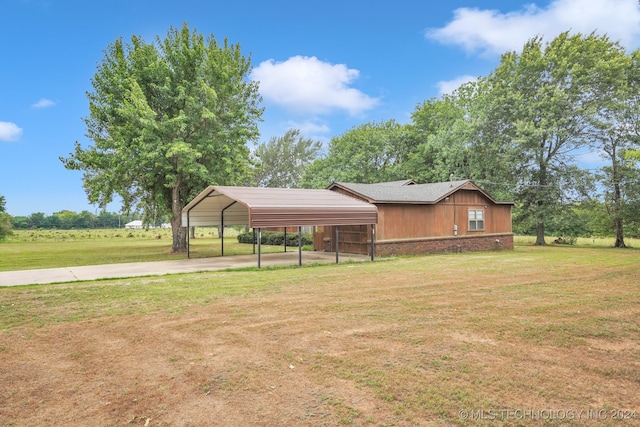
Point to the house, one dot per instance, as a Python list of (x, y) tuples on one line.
[(134, 224), (453, 216)]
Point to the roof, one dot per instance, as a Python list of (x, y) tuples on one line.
[(276, 207), (398, 183), (408, 192)]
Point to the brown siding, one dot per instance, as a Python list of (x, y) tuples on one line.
[(427, 228), (406, 221), (351, 238)]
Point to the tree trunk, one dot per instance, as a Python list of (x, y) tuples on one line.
[(617, 220), (619, 233), (542, 180), (540, 234), (178, 231)]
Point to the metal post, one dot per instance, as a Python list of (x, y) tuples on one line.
[(259, 245), (336, 244), (188, 240), (253, 230), (373, 235), (299, 245), (285, 239)]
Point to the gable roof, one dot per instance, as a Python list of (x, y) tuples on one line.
[(398, 183), (395, 192), (276, 207)]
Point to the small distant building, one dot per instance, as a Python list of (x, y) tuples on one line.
[(134, 224)]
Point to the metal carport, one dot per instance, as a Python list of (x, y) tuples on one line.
[(277, 207)]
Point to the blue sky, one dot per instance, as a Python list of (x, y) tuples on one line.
[(324, 67)]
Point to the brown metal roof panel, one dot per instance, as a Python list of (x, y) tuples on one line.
[(298, 216), (274, 207), (296, 197), (267, 221)]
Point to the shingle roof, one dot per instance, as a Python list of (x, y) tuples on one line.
[(395, 192)]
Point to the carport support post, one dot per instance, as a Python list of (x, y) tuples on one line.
[(373, 235), (285, 239), (259, 245), (253, 230), (188, 240), (336, 244), (299, 246), (222, 235)]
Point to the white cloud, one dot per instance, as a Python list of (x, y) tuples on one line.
[(446, 87), (308, 85), (492, 32), (43, 103), (9, 132), (309, 127)]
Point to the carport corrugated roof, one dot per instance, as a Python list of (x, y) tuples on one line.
[(276, 207)]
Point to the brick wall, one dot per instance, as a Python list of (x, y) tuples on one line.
[(483, 242)]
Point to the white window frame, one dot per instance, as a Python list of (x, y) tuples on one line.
[(476, 219)]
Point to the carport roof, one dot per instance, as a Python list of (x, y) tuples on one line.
[(276, 207)]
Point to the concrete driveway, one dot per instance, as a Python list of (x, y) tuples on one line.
[(136, 269)]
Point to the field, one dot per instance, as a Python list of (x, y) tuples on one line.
[(28, 249), (534, 336)]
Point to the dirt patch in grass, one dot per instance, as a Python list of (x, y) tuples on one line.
[(534, 336)]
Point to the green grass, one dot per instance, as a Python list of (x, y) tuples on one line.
[(418, 338), (565, 265), (33, 249), (595, 242)]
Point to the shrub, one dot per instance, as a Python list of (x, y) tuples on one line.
[(569, 240), (276, 238)]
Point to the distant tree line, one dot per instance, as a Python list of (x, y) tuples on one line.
[(67, 220)]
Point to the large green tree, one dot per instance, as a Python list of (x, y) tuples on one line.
[(282, 161), (437, 133), (541, 100), (616, 131), (451, 136), (166, 120), (369, 153)]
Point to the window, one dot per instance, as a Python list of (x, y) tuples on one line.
[(476, 219)]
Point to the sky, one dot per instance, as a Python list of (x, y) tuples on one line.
[(324, 67)]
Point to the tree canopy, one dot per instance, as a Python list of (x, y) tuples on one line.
[(167, 119), (282, 161), (5, 220), (372, 152), (542, 101)]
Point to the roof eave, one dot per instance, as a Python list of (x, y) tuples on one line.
[(351, 191)]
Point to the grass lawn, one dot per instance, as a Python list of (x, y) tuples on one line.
[(534, 336), (32, 249)]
